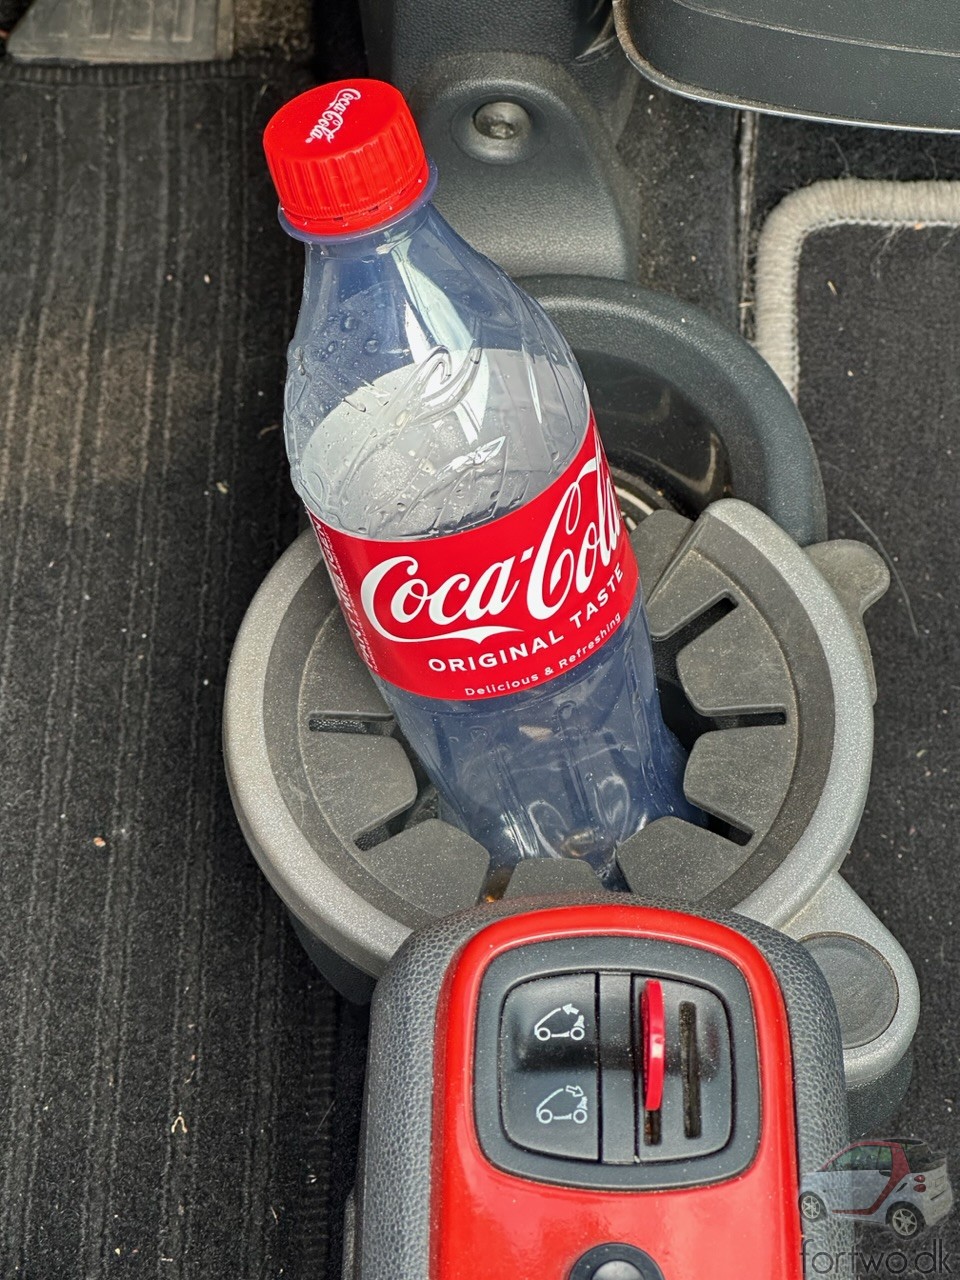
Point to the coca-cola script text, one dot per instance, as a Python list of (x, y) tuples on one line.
[(502, 607)]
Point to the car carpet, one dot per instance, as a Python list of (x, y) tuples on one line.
[(181, 1085), (168, 1059), (877, 331)]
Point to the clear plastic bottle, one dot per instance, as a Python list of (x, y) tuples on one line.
[(441, 438)]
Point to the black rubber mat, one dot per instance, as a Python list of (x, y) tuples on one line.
[(167, 1054), (879, 330), (792, 153), (681, 159)]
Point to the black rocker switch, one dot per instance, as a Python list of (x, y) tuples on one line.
[(548, 1066)]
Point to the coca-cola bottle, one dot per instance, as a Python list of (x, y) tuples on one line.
[(441, 438)]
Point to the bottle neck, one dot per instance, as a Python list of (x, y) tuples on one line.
[(372, 240)]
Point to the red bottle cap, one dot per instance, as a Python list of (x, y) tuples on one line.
[(345, 157)]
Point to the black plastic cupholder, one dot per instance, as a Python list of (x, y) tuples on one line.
[(762, 660), (686, 404)]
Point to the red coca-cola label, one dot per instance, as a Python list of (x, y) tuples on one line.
[(496, 609)]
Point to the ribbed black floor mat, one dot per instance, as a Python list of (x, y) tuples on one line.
[(879, 333), (166, 1051)]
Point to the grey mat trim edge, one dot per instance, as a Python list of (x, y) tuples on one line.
[(833, 202)]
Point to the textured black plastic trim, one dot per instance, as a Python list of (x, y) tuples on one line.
[(395, 1210), (524, 202), (886, 63), (405, 39), (772, 460)]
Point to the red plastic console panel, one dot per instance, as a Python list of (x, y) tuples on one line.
[(491, 1225)]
